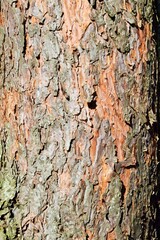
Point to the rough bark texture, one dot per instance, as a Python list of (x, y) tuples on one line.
[(157, 189), (78, 106)]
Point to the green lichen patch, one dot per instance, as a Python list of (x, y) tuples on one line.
[(7, 187)]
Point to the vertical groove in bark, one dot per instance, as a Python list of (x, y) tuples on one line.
[(78, 120)]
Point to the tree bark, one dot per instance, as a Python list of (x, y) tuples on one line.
[(78, 120)]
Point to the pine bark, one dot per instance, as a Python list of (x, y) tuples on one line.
[(78, 120)]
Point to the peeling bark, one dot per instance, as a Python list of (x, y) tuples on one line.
[(78, 128)]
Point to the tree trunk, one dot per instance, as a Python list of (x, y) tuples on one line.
[(78, 125)]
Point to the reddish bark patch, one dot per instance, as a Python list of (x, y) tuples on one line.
[(76, 20), (64, 180), (144, 36), (109, 107), (9, 101), (104, 177), (111, 236), (1, 19)]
